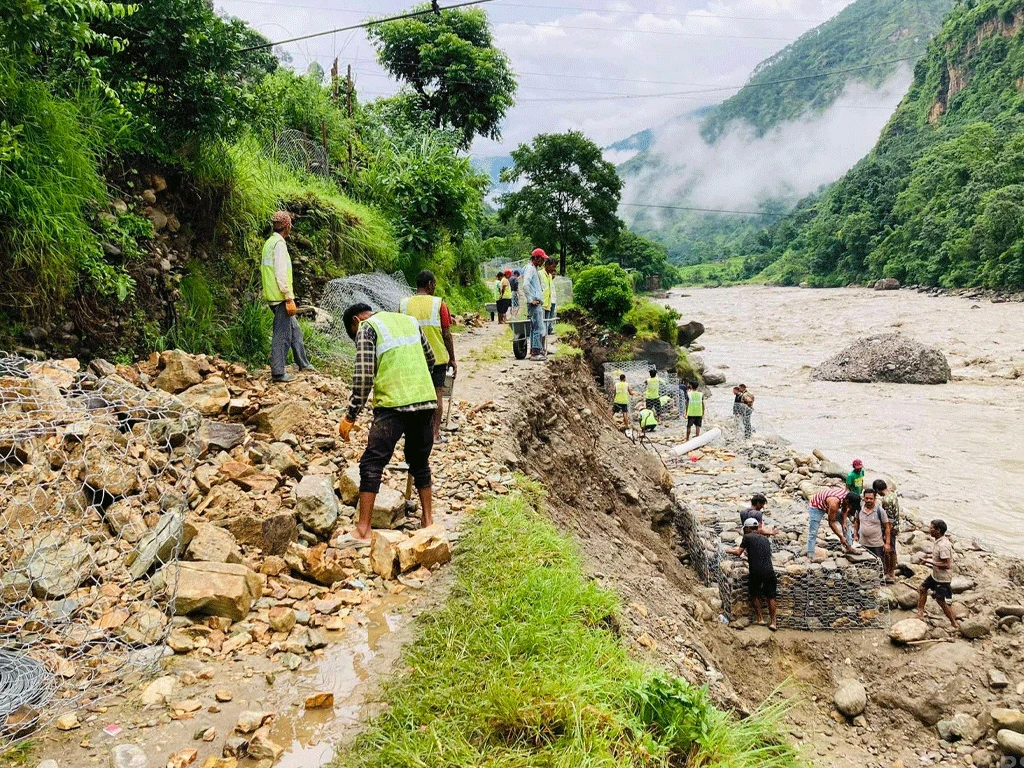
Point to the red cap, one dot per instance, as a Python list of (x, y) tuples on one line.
[(539, 252), (508, 273), (857, 463)]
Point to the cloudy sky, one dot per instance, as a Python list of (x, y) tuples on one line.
[(606, 67)]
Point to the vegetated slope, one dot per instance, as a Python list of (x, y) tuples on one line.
[(940, 199), (783, 135), (862, 42)]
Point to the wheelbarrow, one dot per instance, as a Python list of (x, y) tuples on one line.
[(520, 337), (492, 307)]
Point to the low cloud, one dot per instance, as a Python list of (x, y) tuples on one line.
[(742, 169)]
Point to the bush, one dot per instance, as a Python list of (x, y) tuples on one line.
[(654, 320), (606, 292)]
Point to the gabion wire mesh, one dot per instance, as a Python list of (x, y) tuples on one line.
[(94, 479), (833, 595), (637, 373), (296, 150)]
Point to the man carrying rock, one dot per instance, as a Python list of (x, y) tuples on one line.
[(941, 580), (871, 527), (761, 581), (394, 359), (837, 504), (278, 290), (435, 321)]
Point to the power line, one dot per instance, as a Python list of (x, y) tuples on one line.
[(365, 24), (703, 210)]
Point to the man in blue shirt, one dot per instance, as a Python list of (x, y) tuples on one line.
[(534, 290)]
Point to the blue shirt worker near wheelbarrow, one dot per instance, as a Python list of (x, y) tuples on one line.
[(534, 290), (394, 359)]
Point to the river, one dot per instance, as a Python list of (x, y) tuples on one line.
[(955, 451)]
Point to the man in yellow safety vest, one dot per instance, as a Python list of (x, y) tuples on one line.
[(620, 403), (648, 421), (394, 359), (279, 291), (547, 282), (653, 394), (694, 410), (435, 321)]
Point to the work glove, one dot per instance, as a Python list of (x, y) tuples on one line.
[(290, 308), (345, 428)]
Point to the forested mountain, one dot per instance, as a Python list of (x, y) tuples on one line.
[(940, 199), (806, 115)]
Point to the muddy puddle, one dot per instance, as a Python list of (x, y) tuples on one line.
[(955, 450)]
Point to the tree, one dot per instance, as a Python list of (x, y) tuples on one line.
[(456, 73), (569, 196), (645, 257)]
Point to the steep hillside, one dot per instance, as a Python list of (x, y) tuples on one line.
[(863, 42), (940, 199), (805, 117)]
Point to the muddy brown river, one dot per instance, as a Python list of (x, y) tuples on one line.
[(955, 451)]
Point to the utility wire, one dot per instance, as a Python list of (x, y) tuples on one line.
[(365, 24)]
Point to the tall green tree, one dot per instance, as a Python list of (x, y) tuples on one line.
[(455, 72), (569, 194)]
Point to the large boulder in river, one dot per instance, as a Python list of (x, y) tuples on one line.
[(687, 333), (887, 284), (890, 357), (660, 354)]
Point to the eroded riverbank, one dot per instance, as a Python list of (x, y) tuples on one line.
[(954, 449)]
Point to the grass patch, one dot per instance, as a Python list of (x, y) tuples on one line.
[(18, 756), (494, 351), (521, 668), (727, 272), (653, 321)]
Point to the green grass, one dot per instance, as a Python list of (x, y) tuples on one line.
[(522, 668), (652, 320), (18, 756)]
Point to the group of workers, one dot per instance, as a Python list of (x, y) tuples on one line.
[(402, 358), (534, 288), (655, 402)]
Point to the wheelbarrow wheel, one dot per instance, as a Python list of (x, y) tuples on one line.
[(519, 348)]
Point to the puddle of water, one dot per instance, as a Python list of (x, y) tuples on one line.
[(310, 735)]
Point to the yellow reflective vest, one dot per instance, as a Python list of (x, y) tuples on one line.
[(696, 405), (647, 418), (271, 290), (546, 282), (653, 388), (427, 311), (622, 393), (403, 377)]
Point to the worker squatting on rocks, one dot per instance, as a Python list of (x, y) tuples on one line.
[(435, 321), (279, 292), (394, 359)]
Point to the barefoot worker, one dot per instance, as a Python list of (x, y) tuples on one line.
[(694, 409), (279, 291), (620, 404), (941, 580), (435, 321), (394, 359), (836, 504), (761, 581)]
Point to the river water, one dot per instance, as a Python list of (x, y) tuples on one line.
[(955, 451)]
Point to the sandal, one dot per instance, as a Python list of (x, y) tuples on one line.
[(772, 628)]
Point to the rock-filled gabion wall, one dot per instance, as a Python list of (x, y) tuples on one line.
[(94, 476), (836, 593), (637, 372)]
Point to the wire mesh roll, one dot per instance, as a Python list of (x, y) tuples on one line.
[(23, 681)]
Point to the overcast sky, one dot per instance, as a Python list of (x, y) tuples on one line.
[(574, 59)]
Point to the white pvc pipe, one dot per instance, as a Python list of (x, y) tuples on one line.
[(697, 442)]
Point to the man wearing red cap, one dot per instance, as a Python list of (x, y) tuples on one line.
[(855, 479), (534, 289)]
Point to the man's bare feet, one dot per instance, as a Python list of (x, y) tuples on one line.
[(427, 521)]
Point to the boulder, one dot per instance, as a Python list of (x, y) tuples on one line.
[(687, 333), (213, 544), (960, 727), (252, 720), (997, 679), (271, 534), (887, 284), (1010, 610), (281, 618), (180, 371), (1010, 742), (107, 472), (908, 631), (906, 597), (282, 418), (713, 378), (1007, 719), (316, 504), (891, 358), (831, 469), (209, 397), (128, 756), (348, 485), (961, 584), (388, 508), (324, 565), (660, 354), (159, 691), (262, 747), (851, 698), (125, 521), (425, 548), (170, 536), (214, 589), (384, 552), (216, 436), (57, 567), (281, 457), (975, 627)]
